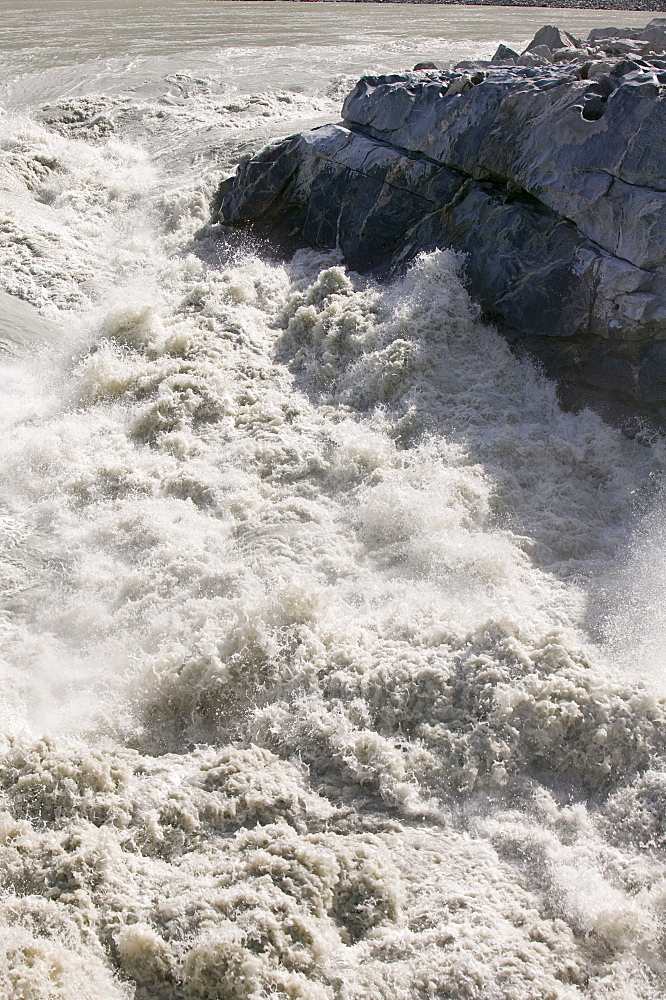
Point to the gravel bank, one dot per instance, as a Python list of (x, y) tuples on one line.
[(650, 5)]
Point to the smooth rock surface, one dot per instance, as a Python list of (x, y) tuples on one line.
[(551, 178)]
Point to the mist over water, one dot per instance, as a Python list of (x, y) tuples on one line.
[(332, 649)]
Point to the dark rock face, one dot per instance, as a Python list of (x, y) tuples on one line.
[(505, 56), (550, 176)]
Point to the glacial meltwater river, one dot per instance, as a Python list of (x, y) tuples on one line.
[(332, 649)]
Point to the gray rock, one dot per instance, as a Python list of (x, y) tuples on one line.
[(655, 34), (472, 64), (533, 59), (599, 68), (623, 47), (652, 38), (552, 38), (600, 34), (529, 126), (544, 52), (504, 55), (570, 55), (554, 186)]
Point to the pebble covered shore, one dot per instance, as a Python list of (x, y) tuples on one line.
[(652, 5)]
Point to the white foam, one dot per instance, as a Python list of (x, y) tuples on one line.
[(307, 689)]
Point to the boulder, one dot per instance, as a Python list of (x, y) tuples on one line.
[(601, 34), (533, 58), (551, 179), (543, 52), (651, 38), (553, 38), (504, 55), (655, 34), (529, 126)]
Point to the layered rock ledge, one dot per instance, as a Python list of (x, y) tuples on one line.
[(547, 169)]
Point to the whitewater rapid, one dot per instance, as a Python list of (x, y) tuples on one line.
[(332, 649)]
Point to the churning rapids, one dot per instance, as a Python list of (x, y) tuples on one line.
[(332, 648)]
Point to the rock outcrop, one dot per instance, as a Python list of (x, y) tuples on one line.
[(547, 169)]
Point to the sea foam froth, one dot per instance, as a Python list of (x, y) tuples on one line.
[(311, 684)]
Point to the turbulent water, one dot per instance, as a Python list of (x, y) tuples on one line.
[(332, 648)]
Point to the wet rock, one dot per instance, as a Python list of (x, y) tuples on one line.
[(526, 126), (551, 178)]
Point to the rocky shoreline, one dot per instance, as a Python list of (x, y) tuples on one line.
[(647, 5), (546, 168)]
